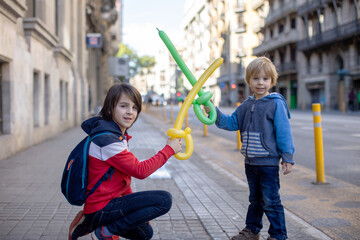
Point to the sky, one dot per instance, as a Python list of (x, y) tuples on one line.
[(142, 17)]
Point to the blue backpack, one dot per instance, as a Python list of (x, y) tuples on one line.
[(75, 176)]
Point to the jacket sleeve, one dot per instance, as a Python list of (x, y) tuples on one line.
[(227, 122), (127, 163), (284, 139)]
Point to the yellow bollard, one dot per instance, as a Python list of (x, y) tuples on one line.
[(159, 107), (164, 112), (319, 150), (343, 108), (172, 113), (238, 134)]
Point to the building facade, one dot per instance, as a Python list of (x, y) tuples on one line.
[(46, 69), (329, 54), (224, 29), (315, 47)]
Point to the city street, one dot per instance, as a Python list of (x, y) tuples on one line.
[(341, 140), (210, 195)]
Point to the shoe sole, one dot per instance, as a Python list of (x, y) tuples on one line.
[(79, 218), (93, 237)]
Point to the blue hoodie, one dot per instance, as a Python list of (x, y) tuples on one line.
[(265, 129)]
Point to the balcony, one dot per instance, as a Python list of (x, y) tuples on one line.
[(309, 7), (276, 14), (288, 67), (240, 28), (274, 43), (255, 4), (334, 35)]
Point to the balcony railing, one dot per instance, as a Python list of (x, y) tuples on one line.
[(273, 43), (310, 7), (283, 11), (286, 67), (337, 34)]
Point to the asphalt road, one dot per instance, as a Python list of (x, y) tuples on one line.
[(341, 140)]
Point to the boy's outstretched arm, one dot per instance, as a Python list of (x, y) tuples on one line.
[(225, 121)]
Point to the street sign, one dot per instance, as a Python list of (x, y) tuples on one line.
[(93, 40)]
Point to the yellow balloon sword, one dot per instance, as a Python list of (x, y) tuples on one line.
[(177, 132)]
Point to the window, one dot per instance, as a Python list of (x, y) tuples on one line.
[(66, 100), (1, 99), (308, 64), (293, 22), (57, 17), (46, 99), (293, 53), (61, 100), (281, 27), (320, 66), (358, 53), (36, 99)]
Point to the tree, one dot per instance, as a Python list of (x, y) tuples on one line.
[(136, 63)]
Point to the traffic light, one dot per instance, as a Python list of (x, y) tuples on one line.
[(178, 95), (233, 86)]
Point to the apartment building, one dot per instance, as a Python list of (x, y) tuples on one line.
[(279, 36), (329, 53), (48, 76), (315, 47), (218, 28)]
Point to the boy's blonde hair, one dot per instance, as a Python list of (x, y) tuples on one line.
[(258, 64)]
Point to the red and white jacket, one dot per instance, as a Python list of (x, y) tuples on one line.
[(112, 150)]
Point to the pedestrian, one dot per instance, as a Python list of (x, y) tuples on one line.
[(113, 210), (263, 121)]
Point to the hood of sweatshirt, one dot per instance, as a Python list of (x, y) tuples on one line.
[(97, 124), (273, 96)]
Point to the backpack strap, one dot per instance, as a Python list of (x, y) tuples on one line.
[(106, 176), (109, 172)]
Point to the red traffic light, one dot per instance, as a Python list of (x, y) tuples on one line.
[(233, 86), (178, 94)]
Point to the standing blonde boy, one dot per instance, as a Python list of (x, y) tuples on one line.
[(263, 120)]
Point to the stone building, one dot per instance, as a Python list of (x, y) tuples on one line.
[(329, 53), (46, 70), (315, 46), (279, 36), (224, 29)]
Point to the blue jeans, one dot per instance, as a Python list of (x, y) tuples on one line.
[(264, 186), (129, 216)]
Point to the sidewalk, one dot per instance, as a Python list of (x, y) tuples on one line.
[(210, 198)]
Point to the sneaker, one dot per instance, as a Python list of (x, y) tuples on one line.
[(246, 234), (79, 218), (98, 234)]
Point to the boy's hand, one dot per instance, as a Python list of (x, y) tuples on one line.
[(175, 144), (286, 167), (207, 108)]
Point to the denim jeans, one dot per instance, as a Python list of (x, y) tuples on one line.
[(129, 215), (264, 185)]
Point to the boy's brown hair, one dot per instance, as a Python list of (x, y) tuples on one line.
[(258, 64), (113, 96)]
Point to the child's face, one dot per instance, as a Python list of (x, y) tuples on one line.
[(260, 84), (125, 113)]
